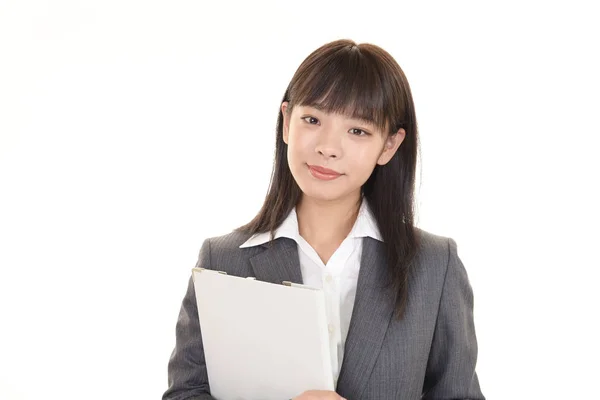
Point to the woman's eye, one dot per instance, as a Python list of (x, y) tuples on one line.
[(357, 132), (310, 120)]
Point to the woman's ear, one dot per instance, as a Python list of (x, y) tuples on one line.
[(392, 143), (286, 121)]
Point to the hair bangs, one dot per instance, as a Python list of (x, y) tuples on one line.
[(344, 82)]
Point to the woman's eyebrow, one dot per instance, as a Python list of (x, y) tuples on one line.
[(318, 108), (349, 116), (363, 121)]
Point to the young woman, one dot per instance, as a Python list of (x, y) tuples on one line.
[(339, 216)]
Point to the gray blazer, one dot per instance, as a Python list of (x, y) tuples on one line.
[(430, 354)]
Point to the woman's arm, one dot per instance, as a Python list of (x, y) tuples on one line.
[(187, 374), (453, 355)]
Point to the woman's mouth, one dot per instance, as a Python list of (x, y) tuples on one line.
[(322, 173)]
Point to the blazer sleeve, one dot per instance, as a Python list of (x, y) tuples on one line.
[(451, 366), (187, 375)]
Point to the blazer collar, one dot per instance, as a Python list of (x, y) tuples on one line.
[(278, 262)]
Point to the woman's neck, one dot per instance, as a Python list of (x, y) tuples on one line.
[(326, 223)]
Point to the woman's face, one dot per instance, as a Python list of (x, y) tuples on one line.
[(349, 148)]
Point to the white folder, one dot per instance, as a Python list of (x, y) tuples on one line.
[(262, 340)]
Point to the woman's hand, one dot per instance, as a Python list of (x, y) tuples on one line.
[(319, 395)]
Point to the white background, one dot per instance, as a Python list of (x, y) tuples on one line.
[(132, 130)]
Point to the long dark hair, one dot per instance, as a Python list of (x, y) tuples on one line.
[(360, 81)]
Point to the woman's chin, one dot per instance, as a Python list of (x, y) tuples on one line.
[(321, 193)]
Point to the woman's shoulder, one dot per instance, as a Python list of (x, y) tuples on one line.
[(434, 249), (231, 240), (432, 242), (227, 246)]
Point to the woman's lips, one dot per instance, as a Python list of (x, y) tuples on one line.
[(322, 173)]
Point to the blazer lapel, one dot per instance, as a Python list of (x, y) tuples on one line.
[(373, 309), (278, 262)]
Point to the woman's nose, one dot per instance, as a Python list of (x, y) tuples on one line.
[(329, 145)]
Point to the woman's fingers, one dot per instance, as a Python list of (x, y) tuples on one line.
[(319, 395)]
